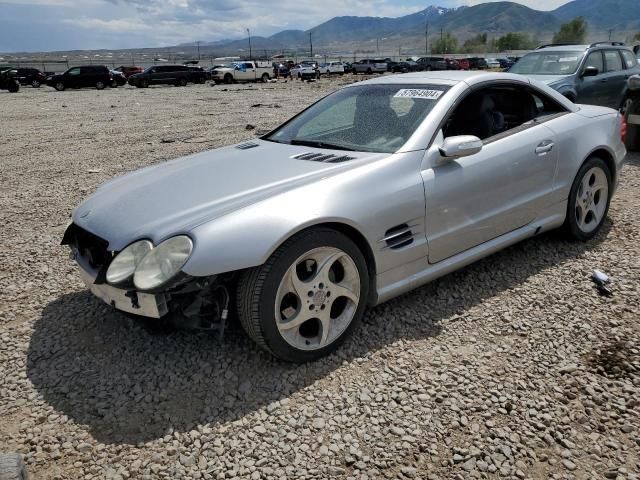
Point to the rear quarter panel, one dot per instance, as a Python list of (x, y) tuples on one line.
[(579, 135)]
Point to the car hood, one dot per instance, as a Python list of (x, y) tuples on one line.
[(549, 79), (173, 197)]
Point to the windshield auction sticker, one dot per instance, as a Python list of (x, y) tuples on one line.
[(419, 93)]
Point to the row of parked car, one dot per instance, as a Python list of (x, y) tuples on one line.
[(427, 64)]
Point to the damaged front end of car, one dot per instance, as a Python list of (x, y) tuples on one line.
[(146, 280)]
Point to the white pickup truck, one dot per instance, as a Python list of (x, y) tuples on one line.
[(242, 72)]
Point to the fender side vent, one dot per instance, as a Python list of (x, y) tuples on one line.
[(247, 146), (321, 157), (398, 237)]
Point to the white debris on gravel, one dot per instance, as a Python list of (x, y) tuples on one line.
[(512, 368)]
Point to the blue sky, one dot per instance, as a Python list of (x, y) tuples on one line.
[(45, 25)]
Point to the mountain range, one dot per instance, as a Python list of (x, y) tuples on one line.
[(350, 33)]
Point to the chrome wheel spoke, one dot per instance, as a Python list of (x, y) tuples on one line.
[(339, 290), (325, 322), (302, 316)]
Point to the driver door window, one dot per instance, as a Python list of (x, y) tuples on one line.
[(74, 71), (595, 60)]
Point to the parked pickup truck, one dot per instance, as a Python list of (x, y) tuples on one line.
[(242, 72), (370, 66)]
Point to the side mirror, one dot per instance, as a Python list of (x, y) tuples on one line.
[(460, 146), (590, 72)]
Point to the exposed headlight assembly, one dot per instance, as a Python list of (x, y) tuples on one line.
[(124, 265), (162, 263)]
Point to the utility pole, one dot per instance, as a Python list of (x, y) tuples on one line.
[(378, 46), (610, 33), (310, 45), (198, 45), (426, 39), (249, 33)]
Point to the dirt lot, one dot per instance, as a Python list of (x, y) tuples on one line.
[(514, 367)]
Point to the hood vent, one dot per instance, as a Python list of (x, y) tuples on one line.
[(398, 237), (323, 157), (246, 146)]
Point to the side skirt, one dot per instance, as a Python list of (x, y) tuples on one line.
[(407, 277)]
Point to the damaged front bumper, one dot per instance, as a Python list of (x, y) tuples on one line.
[(130, 301)]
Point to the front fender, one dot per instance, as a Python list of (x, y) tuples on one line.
[(371, 200)]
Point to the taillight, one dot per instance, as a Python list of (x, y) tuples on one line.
[(623, 128)]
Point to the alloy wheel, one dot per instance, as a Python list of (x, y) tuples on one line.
[(591, 199), (317, 298)]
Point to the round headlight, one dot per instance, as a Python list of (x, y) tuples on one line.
[(125, 263), (163, 262)]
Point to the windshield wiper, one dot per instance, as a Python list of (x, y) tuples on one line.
[(318, 144)]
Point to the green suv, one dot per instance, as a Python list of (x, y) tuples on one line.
[(593, 74)]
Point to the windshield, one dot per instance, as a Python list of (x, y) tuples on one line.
[(548, 63), (369, 118)]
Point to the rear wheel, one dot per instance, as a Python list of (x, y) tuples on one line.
[(182, 82), (100, 85), (59, 86), (143, 83), (307, 298), (265, 77), (12, 467), (588, 200), (35, 83)]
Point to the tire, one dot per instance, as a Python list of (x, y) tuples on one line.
[(100, 85), (114, 84), (265, 77), (264, 293), (59, 86), (36, 84), (182, 82), (369, 72), (12, 467), (589, 200), (228, 78), (13, 87), (428, 69), (143, 83)]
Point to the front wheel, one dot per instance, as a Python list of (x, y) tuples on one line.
[(100, 85), (182, 82), (307, 298), (588, 200), (35, 83), (59, 86)]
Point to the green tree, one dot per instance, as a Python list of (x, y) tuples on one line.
[(514, 41), (477, 44), (574, 31), (446, 44), (636, 37)]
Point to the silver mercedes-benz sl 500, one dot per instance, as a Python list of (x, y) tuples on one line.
[(374, 190)]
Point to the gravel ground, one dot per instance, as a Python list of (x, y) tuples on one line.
[(512, 368)]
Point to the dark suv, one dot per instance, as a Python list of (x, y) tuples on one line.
[(97, 76), (30, 76), (593, 74), (178, 75), (432, 63)]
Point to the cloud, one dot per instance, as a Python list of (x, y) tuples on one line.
[(112, 24)]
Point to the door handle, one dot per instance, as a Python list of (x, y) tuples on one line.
[(544, 148)]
